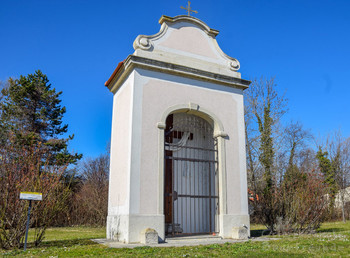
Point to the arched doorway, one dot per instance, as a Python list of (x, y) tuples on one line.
[(191, 196)]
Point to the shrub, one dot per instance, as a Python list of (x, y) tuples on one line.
[(27, 169)]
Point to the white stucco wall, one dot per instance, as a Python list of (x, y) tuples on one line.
[(119, 176)]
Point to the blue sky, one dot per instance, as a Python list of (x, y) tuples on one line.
[(78, 44)]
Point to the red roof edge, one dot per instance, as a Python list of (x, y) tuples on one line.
[(114, 73)]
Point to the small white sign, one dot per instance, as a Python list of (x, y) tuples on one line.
[(34, 196)]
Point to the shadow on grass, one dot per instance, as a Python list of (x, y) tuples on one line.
[(48, 244), (329, 230), (64, 243), (259, 232)]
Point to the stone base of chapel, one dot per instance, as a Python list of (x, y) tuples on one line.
[(128, 228), (230, 221)]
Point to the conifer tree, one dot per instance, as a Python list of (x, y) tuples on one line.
[(327, 167), (31, 110)]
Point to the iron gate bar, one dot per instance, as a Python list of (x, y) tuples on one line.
[(192, 234), (209, 184), (195, 148), (200, 156), (197, 196), (172, 201), (199, 201), (195, 211), (202, 201), (191, 160)]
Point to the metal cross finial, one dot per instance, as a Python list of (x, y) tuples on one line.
[(188, 9)]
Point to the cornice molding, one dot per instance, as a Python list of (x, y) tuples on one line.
[(133, 62)]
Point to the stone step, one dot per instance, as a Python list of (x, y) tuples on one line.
[(192, 238)]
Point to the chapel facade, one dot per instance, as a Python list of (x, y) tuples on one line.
[(178, 163)]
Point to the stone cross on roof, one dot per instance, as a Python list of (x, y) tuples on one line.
[(188, 9)]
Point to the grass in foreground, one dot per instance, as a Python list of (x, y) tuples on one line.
[(331, 239)]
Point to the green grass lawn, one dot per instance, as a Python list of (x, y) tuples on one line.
[(332, 239)]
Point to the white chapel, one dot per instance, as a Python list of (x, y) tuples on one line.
[(178, 161)]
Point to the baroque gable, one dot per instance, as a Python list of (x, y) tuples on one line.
[(187, 41)]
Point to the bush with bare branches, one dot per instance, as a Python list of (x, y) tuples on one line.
[(282, 171), (26, 168), (90, 202)]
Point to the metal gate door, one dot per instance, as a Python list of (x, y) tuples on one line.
[(191, 180)]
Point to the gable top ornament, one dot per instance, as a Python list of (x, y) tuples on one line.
[(188, 9), (184, 46)]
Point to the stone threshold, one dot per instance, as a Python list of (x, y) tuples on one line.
[(181, 241)]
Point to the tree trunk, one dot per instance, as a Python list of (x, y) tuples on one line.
[(342, 205)]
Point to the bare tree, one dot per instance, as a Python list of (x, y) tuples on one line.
[(281, 167), (339, 151), (295, 138), (264, 108), (90, 203)]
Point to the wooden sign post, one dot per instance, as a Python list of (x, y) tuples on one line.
[(31, 196)]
